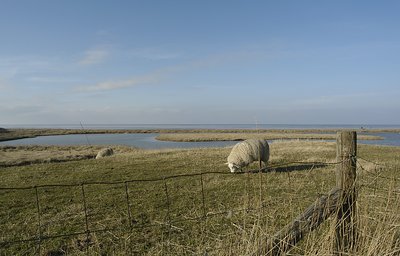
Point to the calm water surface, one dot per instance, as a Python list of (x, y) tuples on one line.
[(148, 141), (390, 139), (140, 140)]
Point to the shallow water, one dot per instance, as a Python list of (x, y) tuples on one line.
[(148, 141), (390, 139), (139, 140)]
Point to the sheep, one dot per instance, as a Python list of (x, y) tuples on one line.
[(105, 152), (246, 152)]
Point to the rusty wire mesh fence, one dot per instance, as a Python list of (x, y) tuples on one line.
[(152, 216)]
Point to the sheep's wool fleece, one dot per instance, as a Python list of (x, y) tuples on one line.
[(248, 151), (105, 152)]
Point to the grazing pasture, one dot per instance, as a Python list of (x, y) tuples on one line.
[(185, 202)]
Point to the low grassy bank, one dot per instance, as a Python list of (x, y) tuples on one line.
[(13, 134), (215, 225), (198, 137)]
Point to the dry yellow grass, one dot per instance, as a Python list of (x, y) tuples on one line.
[(196, 137), (25, 155), (285, 194)]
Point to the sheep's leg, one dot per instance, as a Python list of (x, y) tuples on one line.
[(259, 159)]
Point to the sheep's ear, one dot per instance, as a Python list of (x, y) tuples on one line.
[(226, 163)]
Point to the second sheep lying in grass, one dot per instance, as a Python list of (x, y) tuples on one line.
[(246, 152)]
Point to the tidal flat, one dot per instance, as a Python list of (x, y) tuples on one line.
[(193, 134)]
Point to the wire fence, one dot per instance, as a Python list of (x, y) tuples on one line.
[(377, 178), (170, 220)]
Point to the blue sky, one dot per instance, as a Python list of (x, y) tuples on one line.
[(113, 62)]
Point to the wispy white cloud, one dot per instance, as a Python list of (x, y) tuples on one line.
[(115, 84), (153, 77), (15, 67), (118, 84), (94, 56), (26, 62), (161, 74), (49, 79)]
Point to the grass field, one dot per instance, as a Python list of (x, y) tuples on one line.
[(169, 216), (34, 154)]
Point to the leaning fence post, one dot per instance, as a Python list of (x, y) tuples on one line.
[(345, 228)]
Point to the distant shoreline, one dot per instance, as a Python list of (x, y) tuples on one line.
[(204, 126), (21, 133)]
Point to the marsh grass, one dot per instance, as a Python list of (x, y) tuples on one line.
[(236, 221), (35, 154), (229, 136)]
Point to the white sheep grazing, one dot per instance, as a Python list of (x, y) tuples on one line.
[(246, 152), (105, 152)]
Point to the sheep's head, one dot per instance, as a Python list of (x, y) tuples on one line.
[(233, 167)]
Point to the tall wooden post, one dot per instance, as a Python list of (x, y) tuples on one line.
[(346, 232)]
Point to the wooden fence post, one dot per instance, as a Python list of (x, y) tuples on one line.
[(309, 220), (345, 229), (340, 201)]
